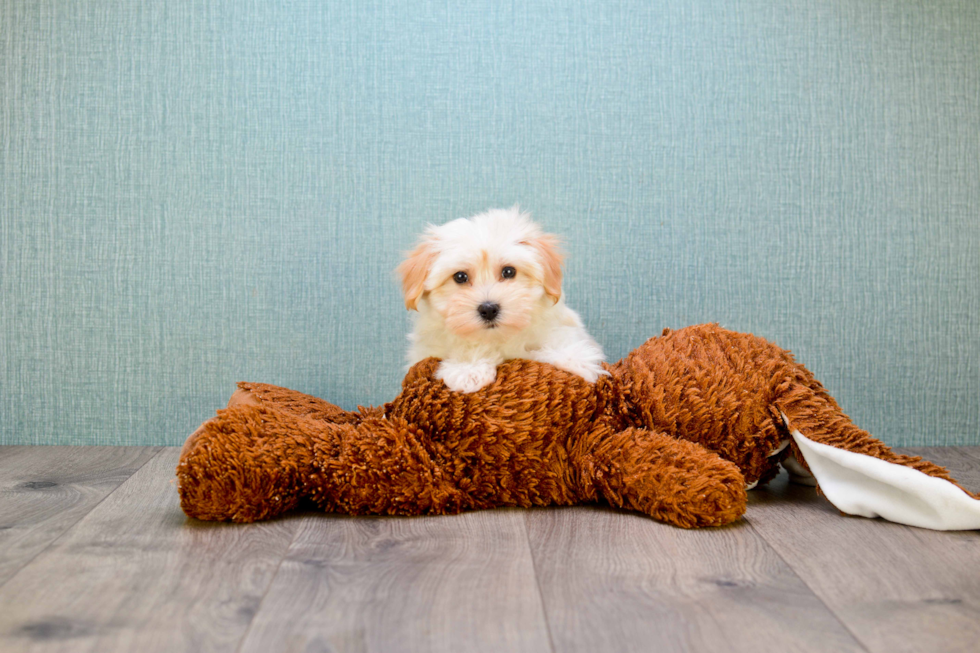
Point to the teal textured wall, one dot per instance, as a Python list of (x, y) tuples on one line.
[(197, 192)]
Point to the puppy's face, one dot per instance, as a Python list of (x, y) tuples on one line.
[(485, 276)]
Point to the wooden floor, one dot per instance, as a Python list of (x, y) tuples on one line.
[(95, 555)]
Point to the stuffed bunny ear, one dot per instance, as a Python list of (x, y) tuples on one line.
[(551, 258), (859, 484), (413, 272)]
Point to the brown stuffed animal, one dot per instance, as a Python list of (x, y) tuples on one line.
[(677, 431)]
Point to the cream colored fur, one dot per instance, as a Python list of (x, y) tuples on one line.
[(532, 320)]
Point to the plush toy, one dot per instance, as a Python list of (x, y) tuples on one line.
[(679, 430)]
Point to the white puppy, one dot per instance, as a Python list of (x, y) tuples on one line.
[(488, 289)]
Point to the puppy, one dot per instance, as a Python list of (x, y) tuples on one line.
[(488, 289)]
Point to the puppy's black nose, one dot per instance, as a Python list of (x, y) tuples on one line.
[(488, 311)]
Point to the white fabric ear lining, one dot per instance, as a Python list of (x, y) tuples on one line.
[(858, 484)]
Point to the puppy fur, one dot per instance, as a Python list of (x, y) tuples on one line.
[(488, 289)]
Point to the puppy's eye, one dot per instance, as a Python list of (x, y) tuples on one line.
[(461, 277), (508, 273)]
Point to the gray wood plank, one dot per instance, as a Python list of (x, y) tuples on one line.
[(387, 584), (969, 457), (136, 575), (615, 581), (895, 587), (46, 490)]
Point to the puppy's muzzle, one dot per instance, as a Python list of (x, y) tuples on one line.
[(488, 312)]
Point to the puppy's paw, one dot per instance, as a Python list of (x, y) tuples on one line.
[(589, 370), (466, 377)]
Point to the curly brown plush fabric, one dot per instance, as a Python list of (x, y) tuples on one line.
[(676, 431)]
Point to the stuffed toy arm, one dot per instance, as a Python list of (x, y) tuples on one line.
[(671, 480)]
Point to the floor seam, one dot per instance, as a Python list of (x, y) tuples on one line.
[(792, 569), (537, 581), (272, 580)]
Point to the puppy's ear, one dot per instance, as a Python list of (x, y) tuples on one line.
[(551, 258), (413, 272)]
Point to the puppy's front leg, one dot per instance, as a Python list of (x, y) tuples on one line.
[(467, 376)]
